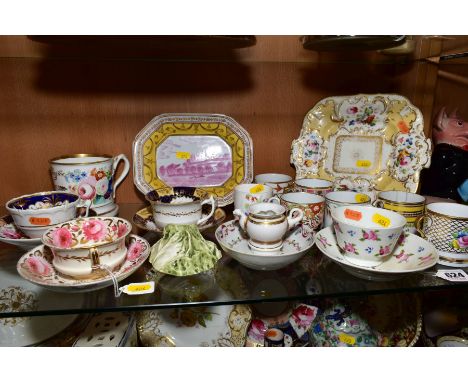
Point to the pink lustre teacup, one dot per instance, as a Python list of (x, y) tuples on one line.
[(34, 214), (278, 182), (81, 247), (313, 186), (90, 176), (180, 205), (312, 205), (366, 235)]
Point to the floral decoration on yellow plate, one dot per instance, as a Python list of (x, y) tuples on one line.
[(208, 151), (363, 143)]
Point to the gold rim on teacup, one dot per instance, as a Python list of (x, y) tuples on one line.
[(446, 216), (405, 203), (57, 160)]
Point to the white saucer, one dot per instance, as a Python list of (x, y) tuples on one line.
[(10, 234), (413, 255), (60, 283), (234, 242)]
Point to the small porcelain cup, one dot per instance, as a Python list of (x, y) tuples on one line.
[(311, 205), (278, 182), (313, 186), (411, 206), (267, 223), (342, 198), (82, 246), (247, 194), (446, 226), (366, 235), (34, 214), (179, 205), (90, 176)]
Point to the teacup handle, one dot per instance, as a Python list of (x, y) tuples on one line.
[(94, 256), (274, 199), (378, 203), (213, 208), (83, 204), (292, 222), (419, 224), (126, 169)]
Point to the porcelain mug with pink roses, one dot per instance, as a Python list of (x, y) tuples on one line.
[(83, 246), (91, 177), (366, 235)]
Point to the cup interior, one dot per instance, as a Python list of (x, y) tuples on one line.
[(401, 197), (313, 183), (42, 201), (80, 159), (368, 217), (302, 198), (176, 195), (349, 197), (266, 210), (454, 210), (273, 178)]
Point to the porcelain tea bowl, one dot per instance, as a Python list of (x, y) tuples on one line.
[(180, 205), (35, 213), (366, 235), (83, 246), (278, 182), (267, 223)]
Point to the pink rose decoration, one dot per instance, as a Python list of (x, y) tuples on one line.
[(62, 238), (94, 230), (371, 235), (101, 186), (134, 250), (463, 241), (122, 230), (384, 250), (86, 189), (39, 266), (352, 110), (349, 248), (303, 316), (11, 233), (257, 330)]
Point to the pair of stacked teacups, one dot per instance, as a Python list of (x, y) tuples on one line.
[(81, 246)]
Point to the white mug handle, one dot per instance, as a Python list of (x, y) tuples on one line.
[(292, 222), (213, 208), (126, 169), (274, 199)]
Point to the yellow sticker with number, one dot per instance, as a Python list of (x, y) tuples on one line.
[(256, 189), (381, 220), (138, 287), (363, 163), (361, 198), (347, 339), (182, 155)]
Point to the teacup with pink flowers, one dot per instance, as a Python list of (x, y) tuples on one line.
[(83, 246), (366, 235)]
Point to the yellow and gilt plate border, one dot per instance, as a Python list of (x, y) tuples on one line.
[(166, 125)]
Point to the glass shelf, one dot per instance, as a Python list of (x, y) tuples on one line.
[(314, 276)]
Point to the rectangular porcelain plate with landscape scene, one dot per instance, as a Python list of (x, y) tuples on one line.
[(208, 151), (363, 143)]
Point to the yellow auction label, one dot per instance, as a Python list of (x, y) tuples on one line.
[(347, 339), (182, 155), (363, 163), (138, 288), (381, 220), (361, 198), (256, 189)]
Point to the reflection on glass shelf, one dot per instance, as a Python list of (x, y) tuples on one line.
[(229, 283)]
